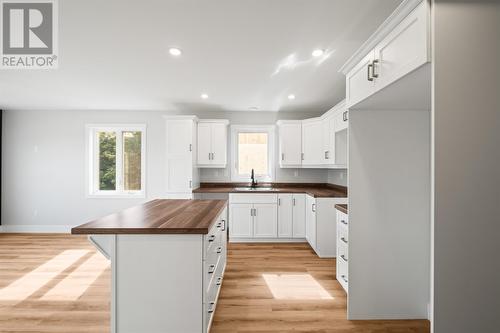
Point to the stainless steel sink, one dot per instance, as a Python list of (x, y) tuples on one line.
[(254, 189)]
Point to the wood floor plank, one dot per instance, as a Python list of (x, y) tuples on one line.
[(247, 302)]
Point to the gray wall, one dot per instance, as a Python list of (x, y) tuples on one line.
[(467, 173), (44, 163)]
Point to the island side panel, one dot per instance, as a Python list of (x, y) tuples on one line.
[(157, 283)]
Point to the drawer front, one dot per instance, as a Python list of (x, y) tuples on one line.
[(342, 252), (253, 198), (342, 218), (342, 234), (342, 274), (211, 295)]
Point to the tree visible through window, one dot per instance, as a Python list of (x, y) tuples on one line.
[(117, 162)]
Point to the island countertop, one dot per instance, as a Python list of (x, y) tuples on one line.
[(160, 216)]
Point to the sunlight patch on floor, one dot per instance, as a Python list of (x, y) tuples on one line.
[(295, 286), (29, 283), (76, 283)]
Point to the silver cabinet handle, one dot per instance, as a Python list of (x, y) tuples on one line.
[(219, 281), (209, 156), (255, 212), (219, 249), (282, 156), (211, 269), (313, 207), (343, 240), (375, 75), (190, 147), (369, 78), (211, 238), (343, 257), (279, 202), (343, 222), (344, 278), (293, 201), (213, 156), (344, 116), (190, 184), (223, 225), (251, 211), (211, 309)]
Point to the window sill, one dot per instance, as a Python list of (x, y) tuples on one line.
[(140, 195)]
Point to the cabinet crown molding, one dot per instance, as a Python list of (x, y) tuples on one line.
[(388, 25), (218, 121), (180, 117)]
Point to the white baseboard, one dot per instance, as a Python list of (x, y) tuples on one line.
[(267, 240), (35, 228)]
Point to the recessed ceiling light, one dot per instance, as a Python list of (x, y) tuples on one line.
[(318, 53), (204, 96), (175, 51), (291, 96)]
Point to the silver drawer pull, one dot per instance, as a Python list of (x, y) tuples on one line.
[(219, 281), (219, 249), (343, 239), (344, 278), (343, 222), (343, 257), (211, 238), (219, 224), (211, 309), (223, 225), (211, 269)]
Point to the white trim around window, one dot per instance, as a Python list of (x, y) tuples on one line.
[(235, 130), (92, 161)]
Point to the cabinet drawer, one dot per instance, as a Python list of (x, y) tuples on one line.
[(255, 198), (342, 254), (342, 234), (342, 274)]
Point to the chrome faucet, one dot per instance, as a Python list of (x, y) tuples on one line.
[(254, 182)]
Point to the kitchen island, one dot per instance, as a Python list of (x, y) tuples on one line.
[(167, 259)]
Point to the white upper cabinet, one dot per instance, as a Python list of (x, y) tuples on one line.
[(182, 174), (212, 143), (290, 143), (400, 45), (312, 142)]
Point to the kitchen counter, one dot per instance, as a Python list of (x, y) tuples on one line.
[(314, 190), (342, 208), (159, 216)]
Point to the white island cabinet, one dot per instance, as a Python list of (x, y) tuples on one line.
[(167, 259)]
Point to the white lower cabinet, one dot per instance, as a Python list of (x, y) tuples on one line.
[(291, 215), (342, 249), (266, 217), (265, 221), (321, 226)]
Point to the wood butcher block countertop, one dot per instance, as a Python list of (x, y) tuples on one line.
[(159, 216), (315, 190), (342, 208)]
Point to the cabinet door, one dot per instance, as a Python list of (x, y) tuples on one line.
[(179, 156), (299, 215), (285, 215), (359, 83), (312, 143), (290, 136), (240, 220), (311, 221), (404, 49), (219, 144), (265, 221), (328, 149), (204, 143)]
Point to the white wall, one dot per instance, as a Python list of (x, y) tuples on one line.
[(466, 113), (44, 164)]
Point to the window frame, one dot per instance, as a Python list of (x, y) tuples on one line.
[(270, 130), (92, 157)]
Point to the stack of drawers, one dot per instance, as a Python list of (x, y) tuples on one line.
[(214, 263), (342, 249)]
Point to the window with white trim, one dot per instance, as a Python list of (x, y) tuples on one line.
[(117, 160), (252, 148)]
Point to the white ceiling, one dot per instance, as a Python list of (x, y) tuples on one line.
[(113, 54)]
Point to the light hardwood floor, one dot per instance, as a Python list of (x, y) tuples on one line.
[(59, 283)]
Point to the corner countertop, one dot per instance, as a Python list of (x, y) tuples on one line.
[(160, 216), (342, 208), (319, 190)]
